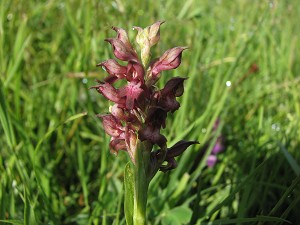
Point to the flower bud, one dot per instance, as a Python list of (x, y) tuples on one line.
[(146, 38), (131, 142), (211, 160), (171, 59), (154, 32), (123, 37)]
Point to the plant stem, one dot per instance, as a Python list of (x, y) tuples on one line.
[(141, 184)]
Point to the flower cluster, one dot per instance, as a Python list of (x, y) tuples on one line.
[(140, 110), (218, 147)]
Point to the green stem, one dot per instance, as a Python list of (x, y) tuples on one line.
[(141, 184)]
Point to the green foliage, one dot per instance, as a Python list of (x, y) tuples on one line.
[(176, 216), (129, 193), (55, 168)]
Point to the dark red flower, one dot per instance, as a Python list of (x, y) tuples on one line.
[(166, 98), (153, 135)]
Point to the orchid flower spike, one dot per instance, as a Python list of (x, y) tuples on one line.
[(140, 110)]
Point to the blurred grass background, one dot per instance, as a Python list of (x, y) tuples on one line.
[(243, 68)]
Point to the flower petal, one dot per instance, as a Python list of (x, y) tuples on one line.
[(153, 135), (117, 145), (131, 142), (171, 164), (109, 92), (111, 125), (154, 32), (166, 98), (169, 103), (156, 117), (118, 112), (121, 51), (218, 147), (211, 160), (179, 148), (112, 67), (174, 86), (171, 59)]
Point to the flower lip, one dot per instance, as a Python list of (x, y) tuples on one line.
[(132, 92)]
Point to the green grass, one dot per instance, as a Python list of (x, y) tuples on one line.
[(55, 165)]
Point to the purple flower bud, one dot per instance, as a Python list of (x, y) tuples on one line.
[(211, 160), (218, 146), (174, 87), (171, 59), (168, 103)]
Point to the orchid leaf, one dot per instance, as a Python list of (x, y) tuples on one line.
[(129, 193)]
